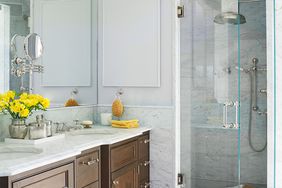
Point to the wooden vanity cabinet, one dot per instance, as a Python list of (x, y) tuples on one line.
[(88, 169), (126, 164), (56, 175), (144, 161), (61, 177)]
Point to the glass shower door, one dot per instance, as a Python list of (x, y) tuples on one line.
[(210, 94)]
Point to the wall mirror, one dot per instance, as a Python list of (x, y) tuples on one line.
[(33, 46), (69, 60), (69, 31)]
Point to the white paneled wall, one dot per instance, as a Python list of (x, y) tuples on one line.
[(70, 54), (138, 95), (130, 43)]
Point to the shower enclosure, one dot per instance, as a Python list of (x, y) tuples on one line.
[(223, 93)]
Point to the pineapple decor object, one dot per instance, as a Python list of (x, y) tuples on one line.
[(117, 106)]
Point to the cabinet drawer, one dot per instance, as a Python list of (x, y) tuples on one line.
[(87, 168), (123, 155), (125, 177), (55, 178), (144, 142), (93, 185)]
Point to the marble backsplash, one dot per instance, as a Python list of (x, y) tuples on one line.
[(56, 115), (161, 119)]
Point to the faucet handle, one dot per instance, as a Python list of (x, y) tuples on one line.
[(76, 121)]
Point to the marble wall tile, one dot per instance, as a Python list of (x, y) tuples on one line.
[(56, 115), (162, 150)]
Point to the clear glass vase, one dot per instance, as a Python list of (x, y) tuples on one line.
[(18, 128)]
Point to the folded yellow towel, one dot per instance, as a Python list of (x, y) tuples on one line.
[(125, 123)]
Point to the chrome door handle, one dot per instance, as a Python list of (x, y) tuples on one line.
[(226, 124)]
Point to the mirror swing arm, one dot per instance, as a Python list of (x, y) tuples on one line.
[(33, 49)]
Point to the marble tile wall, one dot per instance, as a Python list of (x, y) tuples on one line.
[(56, 115), (207, 51)]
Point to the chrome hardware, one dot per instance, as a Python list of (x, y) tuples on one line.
[(146, 185), (236, 104), (227, 125), (180, 178), (263, 91), (262, 113), (146, 141), (180, 11), (255, 60), (76, 121), (146, 163), (89, 163), (115, 182)]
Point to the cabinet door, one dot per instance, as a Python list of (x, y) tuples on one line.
[(144, 146), (93, 185), (123, 155), (61, 177), (87, 169), (125, 178)]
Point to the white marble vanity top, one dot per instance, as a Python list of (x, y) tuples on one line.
[(18, 158)]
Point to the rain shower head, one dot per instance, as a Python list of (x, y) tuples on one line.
[(230, 18)]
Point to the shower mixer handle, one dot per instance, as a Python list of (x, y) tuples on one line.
[(226, 124)]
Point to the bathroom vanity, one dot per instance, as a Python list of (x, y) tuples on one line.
[(113, 160)]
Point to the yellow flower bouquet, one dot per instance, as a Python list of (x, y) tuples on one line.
[(20, 106)]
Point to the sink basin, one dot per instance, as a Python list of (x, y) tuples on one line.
[(8, 153), (93, 132)]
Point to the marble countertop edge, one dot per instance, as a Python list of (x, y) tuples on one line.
[(50, 154)]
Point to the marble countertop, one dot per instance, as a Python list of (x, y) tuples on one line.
[(73, 144)]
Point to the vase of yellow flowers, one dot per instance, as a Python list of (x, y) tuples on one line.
[(20, 107)]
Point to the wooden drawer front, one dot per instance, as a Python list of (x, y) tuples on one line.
[(93, 185), (87, 169), (144, 170), (125, 178), (56, 178), (123, 155), (144, 143)]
